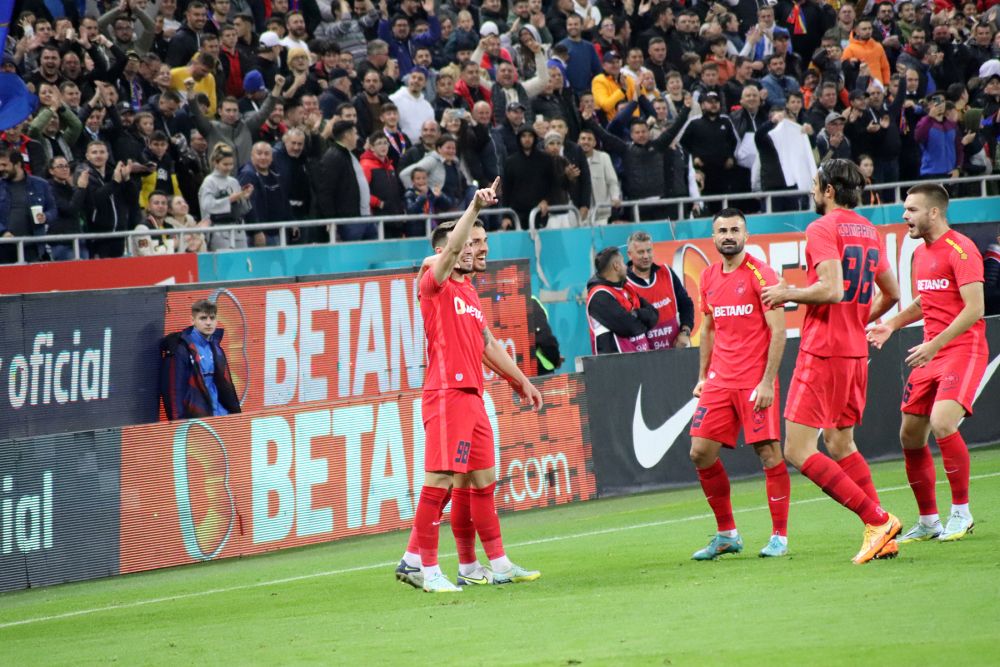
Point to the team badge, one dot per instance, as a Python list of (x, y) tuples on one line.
[(741, 288)]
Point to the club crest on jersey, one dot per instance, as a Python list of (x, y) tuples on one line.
[(741, 288), (462, 309)]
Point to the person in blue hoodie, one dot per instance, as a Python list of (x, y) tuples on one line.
[(940, 141), (195, 378)]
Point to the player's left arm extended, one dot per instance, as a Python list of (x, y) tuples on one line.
[(829, 288), (775, 319), (888, 295), (495, 358), (972, 312)]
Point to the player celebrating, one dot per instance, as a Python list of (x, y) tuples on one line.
[(741, 347), (845, 260), (947, 367), (470, 571), (459, 438)]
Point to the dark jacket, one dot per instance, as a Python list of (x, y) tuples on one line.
[(293, 174), (605, 309), (386, 190), (269, 203), (183, 45), (108, 207), (37, 193), (528, 179), (182, 386), (69, 206), (339, 196)]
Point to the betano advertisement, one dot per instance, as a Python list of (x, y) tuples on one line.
[(350, 337), (99, 274), (786, 253), (285, 477)]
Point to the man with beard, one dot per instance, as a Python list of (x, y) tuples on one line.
[(187, 40), (26, 206), (845, 258), (470, 571), (617, 315), (740, 352), (659, 285), (947, 367), (459, 439)]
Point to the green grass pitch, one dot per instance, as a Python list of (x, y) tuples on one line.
[(618, 588)]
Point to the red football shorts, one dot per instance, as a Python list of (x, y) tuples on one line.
[(722, 412), (458, 435), (951, 377), (827, 392)]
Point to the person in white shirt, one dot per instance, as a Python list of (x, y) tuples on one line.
[(414, 109), (296, 34), (603, 179)]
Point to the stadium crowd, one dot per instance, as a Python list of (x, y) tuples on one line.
[(187, 115)]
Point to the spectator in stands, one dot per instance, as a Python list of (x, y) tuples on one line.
[(612, 86), (528, 177), (831, 142), (157, 209), (604, 186), (345, 192), (399, 143), (776, 82), (291, 163), (443, 170), (231, 129), (179, 217), (385, 188), (430, 132), (584, 63), (195, 381), (26, 207), (69, 198), (223, 200), (863, 49), (420, 197), (565, 177), (413, 106), (111, 197), (711, 141), (269, 202), (369, 103), (508, 89), (940, 140), (186, 41), (618, 317), (119, 24), (159, 163), (402, 44), (32, 155)]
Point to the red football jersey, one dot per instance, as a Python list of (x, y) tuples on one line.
[(838, 329), (453, 324), (941, 268), (739, 355)]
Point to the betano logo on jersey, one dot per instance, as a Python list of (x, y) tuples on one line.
[(933, 284), (739, 310), (462, 309)]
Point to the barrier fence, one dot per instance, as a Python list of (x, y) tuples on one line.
[(106, 502)]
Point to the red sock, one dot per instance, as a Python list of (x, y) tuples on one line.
[(487, 523), (855, 467), (715, 484), (779, 487), (920, 473), (413, 545), (955, 456), (461, 525), (426, 522), (828, 476)]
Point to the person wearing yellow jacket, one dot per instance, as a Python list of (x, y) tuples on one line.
[(200, 70), (862, 48), (612, 87)]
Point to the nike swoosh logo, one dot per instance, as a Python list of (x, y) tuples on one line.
[(950, 472), (651, 445), (774, 500)]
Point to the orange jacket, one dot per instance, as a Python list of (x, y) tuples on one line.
[(607, 93), (870, 52)]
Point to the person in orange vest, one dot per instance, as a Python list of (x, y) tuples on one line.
[(618, 317)]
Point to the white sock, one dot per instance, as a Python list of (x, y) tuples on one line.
[(962, 510), (411, 559), (501, 564), (430, 571), (930, 520), (467, 568), (729, 533)]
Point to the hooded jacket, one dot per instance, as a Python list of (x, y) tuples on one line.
[(872, 53), (182, 387), (386, 191), (239, 136)]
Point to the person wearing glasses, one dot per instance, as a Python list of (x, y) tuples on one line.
[(69, 202)]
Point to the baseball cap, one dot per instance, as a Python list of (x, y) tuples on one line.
[(611, 56), (514, 106), (710, 95), (489, 28), (125, 107), (337, 72), (269, 39), (834, 117)]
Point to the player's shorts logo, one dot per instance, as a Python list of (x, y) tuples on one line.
[(949, 380)]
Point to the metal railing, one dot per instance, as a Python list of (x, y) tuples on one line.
[(233, 229), (767, 198)]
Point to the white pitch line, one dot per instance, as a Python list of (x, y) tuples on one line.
[(375, 566)]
